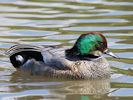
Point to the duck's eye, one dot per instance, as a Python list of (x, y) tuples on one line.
[(102, 45)]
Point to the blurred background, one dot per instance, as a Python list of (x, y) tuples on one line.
[(59, 23)]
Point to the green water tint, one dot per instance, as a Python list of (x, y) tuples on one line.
[(85, 98)]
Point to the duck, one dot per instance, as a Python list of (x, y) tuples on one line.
[(84, 60)]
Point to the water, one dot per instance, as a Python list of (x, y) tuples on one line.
[(59, 23)]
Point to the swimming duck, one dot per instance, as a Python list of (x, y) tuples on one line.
[(83, 61)]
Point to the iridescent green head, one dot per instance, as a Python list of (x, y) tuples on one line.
[(92, 43)]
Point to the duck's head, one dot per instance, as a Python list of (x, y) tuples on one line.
[(91, 45)]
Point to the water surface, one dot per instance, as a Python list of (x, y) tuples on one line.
[(59, 23)]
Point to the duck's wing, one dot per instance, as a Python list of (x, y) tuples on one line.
[(22, 47), (47, 56), (55, 58)]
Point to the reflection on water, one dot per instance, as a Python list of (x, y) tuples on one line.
[(59, 23), (40, 86)]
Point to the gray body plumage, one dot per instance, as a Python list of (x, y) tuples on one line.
[(57, 65)]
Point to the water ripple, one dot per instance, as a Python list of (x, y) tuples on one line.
[(59, 23)]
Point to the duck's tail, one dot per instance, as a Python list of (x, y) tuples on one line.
[(20, 53)]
